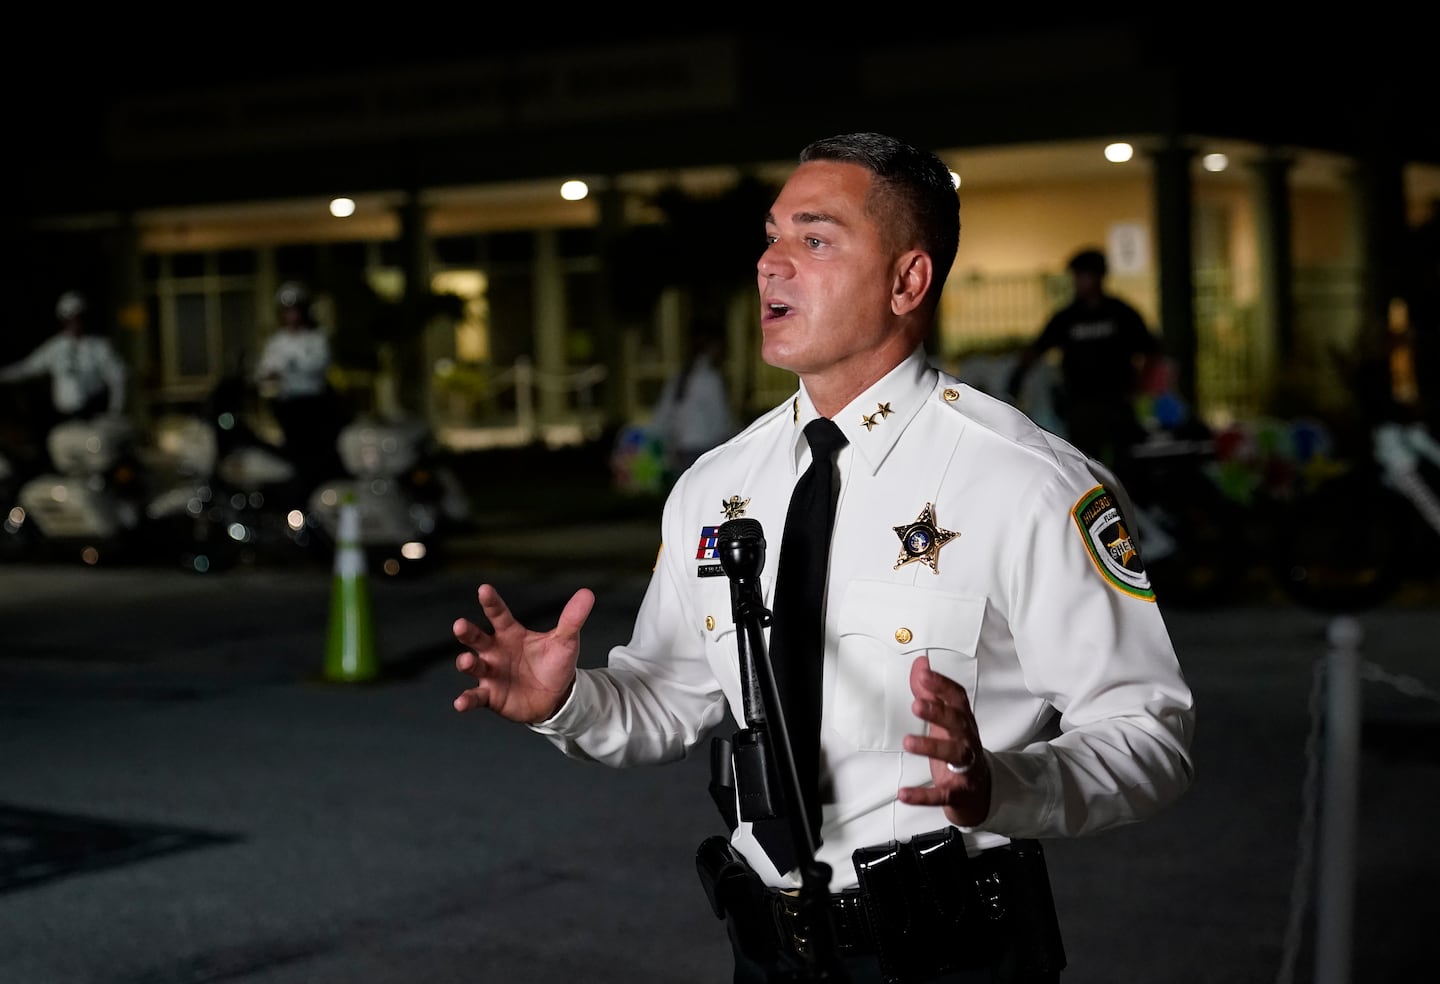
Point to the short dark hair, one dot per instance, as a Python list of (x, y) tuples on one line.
[(1089, 261), (913, 188)]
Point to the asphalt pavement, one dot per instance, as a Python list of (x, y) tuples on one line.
[(185, 798)]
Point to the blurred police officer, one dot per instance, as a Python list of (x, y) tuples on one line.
[(293, 373), (87, 375), (1105, 346)]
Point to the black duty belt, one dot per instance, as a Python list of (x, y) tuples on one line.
[(910, 895), (853, 936), (852, 918)]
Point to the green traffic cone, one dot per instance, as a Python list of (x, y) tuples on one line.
[(350, 651)]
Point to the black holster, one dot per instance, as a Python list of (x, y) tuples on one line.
[(737, 895), (1041, 949)]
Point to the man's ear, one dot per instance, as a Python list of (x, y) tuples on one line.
[(913, 273)]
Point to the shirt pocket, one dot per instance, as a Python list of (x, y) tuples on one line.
[(883, 627), (723, 636)]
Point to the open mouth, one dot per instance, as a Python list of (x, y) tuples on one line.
[(774, 309)]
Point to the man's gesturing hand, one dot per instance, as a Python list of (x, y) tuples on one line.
[(957, 761), (520, 674)]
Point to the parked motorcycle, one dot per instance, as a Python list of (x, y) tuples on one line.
[(1394, 499), (17, 539), (407, 497), (91, 506), (240, 499)]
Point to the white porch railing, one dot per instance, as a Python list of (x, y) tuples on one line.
[(479, 407)]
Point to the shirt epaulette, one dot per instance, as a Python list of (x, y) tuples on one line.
[(1000, 418)]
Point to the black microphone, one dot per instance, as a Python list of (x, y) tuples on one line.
[(741, 545)]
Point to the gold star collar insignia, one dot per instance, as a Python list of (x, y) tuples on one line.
[(882, 410), (734, 506), (922, 540)]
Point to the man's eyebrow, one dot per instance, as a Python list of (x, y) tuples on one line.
[(806, 218)]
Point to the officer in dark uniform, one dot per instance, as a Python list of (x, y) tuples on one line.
[(1104, 345)]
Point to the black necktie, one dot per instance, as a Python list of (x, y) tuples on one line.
[(797, 630)]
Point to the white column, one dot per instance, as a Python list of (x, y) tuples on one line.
[(550, 323)]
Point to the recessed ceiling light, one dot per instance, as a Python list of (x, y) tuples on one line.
[(1215, 162), (1119, 153)]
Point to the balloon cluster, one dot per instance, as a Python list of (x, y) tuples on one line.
[(1157, 405), (1272, 459), (637, 462)]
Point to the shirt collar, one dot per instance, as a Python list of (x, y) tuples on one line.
[(874, 420)]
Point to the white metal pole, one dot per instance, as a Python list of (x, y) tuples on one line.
[(1335, 896)]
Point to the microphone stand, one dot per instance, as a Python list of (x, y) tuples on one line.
[(741, 545)]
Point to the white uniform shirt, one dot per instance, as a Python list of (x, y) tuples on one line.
[(80, 367), (1082, 707), (301, 358), (699, 419)]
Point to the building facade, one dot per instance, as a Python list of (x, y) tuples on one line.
[(564, 316)]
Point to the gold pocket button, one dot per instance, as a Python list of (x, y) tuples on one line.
[(902, 635), (710, 622)]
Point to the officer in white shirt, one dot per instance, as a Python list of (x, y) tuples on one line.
[(87, 375), (296, 356), (293, 372), (996, 670)]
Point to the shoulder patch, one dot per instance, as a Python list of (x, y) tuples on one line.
[(1111, 542)]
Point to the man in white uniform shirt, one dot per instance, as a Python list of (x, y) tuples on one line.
[(87, 375), (995, 668), (293, 372)]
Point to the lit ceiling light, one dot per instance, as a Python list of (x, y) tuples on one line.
[(342, 208), (955, 179), (1119, 153), (1215, 162), (573, 191)]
